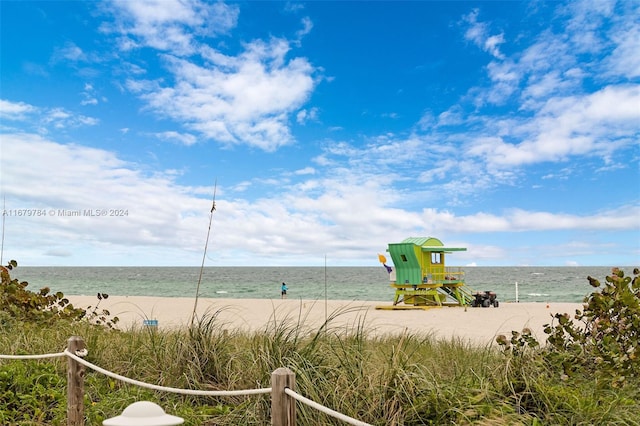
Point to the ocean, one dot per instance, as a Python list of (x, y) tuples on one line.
[(535, 284)]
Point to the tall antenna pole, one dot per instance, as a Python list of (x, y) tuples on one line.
[(204, 255), (325, 290), (4, 213)]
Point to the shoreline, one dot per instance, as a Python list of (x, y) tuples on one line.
[(476, 325)]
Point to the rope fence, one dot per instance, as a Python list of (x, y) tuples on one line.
[(328, 411), (43, 356), (283, 409), (165, 388)]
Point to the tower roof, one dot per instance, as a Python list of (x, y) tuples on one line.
[(431, 244)]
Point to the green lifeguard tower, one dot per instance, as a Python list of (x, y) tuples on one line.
[(420, 278)]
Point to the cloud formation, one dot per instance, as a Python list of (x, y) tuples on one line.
[(546, 111), (169, 25), (244, 99)]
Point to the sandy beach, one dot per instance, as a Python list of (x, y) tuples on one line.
[(478, 325)]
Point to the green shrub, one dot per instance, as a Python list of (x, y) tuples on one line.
[(26, 305), (604, 342), (606, 338), (19, 303), (574, 377), (31, 393)]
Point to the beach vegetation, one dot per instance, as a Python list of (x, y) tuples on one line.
[(18, 302), (404, 379), (586, 358), (32, 393), (601, 340), (604, 337), (43, 306)]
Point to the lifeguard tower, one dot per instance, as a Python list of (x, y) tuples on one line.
[(420, 278)]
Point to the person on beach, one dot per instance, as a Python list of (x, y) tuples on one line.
[(283, 291)]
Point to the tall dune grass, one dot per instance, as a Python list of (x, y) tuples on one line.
[(405, 379)]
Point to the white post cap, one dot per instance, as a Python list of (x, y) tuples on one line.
[(143, 413)]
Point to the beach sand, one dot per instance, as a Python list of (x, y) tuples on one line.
[(477, 325)]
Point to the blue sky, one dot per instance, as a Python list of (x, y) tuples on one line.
[(331, 129)]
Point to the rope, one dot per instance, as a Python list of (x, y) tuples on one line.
[(108, 373), (59, 354), (324, 409), (164, 388)]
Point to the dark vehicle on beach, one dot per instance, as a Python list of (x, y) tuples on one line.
[(485, 299)]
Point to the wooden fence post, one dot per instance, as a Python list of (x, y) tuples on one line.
[(283, 407), (75, 384)]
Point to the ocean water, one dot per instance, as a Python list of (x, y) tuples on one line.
[(535, 284)]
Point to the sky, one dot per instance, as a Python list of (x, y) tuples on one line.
[(325, 130)]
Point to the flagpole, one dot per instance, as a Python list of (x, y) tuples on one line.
[(4, 206), (204, 255), (325, 290)]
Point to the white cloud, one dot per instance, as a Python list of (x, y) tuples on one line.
[(581, 125), (346, 213), (301, 116), (60, 118), (43, 119), (585, 24), (304, 115), (506, 79), (554, 64), (518, 220), (452, 117), (70, 52), (625, 59), (557, 117), (14, 110), (88, 95), (183, 138), (170, 25), (306, 171), (241, 186), (307, 26), (291, 6), (75, 178), (478, 33), (543, 85), (245, 98), (235, 100), (491, 45)]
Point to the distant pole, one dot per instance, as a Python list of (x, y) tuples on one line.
[(4, 213), (517, 301), (204, 255), (325, 289)]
